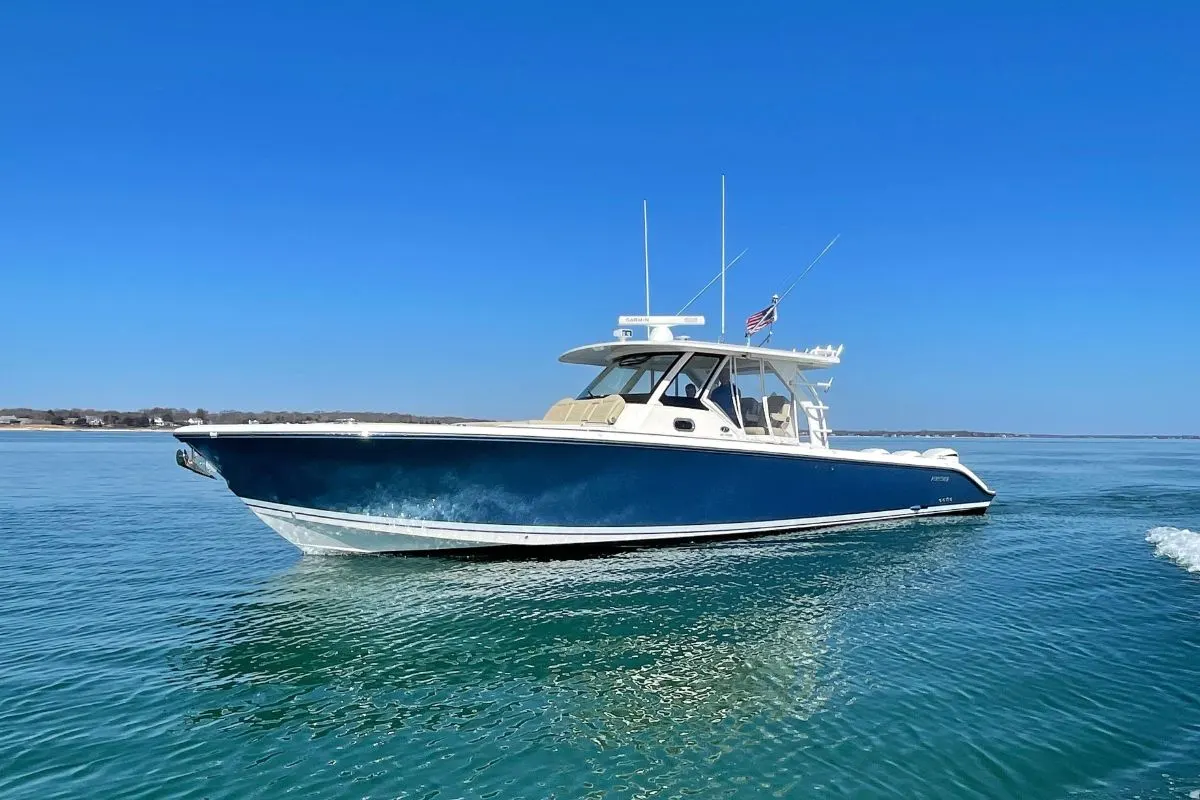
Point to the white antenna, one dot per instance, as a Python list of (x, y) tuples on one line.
[(646, 253), (722, 259)]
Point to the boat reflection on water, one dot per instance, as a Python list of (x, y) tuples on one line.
[(647, 643)]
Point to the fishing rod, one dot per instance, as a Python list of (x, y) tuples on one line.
[(777, 299), (808, 269)]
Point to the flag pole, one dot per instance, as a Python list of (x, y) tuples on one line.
[(774, 318), (766, 318)]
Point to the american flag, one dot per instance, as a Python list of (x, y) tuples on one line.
[(762, 319)]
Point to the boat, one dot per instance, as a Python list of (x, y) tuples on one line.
[(672, 440)]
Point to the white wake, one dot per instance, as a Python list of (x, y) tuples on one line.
[(1178, 544)]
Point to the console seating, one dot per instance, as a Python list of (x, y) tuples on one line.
[(780, 411)]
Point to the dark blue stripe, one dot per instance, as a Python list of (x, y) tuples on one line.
[(547, 482)]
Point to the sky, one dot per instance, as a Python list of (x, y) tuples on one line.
[(418, 207)]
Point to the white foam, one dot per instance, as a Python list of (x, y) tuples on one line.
[(1178, 544)]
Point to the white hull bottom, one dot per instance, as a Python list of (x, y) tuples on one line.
[(327, 532)]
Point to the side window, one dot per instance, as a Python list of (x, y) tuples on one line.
[(722, 392), (684, 389)]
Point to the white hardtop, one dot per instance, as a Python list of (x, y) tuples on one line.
[(603, 353)]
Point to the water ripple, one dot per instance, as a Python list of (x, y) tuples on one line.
[(158, 641)]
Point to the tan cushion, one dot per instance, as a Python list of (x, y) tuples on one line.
[(558, 411), (606, 410), (576, 410), (598, 410)]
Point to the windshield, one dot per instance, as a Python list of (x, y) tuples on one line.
[(632, 377), (686, 385)]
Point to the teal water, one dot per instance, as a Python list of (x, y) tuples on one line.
[(158, 641)]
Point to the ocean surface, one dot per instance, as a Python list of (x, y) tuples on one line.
[(156, 640)]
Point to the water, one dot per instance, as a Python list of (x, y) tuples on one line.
[(157, 641)]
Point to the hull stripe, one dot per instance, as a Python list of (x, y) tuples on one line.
[(480, 534)]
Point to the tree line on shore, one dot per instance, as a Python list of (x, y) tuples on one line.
[(175, 417)]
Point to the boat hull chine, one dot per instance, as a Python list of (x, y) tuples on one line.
[(324, 533)]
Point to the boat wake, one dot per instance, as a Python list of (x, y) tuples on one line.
[(1178, 544)]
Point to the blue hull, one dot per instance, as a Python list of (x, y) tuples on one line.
[(572, 484)]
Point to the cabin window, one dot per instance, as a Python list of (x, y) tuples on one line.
[(633, 377), (685, 388)]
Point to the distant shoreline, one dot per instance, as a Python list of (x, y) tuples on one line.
[(162, 418), (845, 435), (44, 428)]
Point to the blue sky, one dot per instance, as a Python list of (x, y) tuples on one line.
[(418, 208)]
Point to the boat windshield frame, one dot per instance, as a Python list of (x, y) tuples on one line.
[(665, 368)]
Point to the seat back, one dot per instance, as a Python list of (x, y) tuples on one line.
[(577, 410), (606, 410), (558, 411), (780, 411), (598, 411), (751, 412)]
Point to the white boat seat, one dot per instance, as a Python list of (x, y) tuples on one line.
[(780, 411), (755, 430)]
